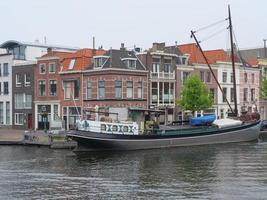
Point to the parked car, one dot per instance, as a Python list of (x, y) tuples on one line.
[(263, 125)]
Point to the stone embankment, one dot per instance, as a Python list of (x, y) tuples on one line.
[(39, 138)]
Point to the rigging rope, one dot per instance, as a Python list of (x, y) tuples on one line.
[(212, 35), (213, 24)]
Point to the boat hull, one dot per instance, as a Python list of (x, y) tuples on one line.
[(97, 141)]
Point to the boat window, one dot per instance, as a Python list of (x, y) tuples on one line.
[(125, 129), (115, 128), (103, 127)]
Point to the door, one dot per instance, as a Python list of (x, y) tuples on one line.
[(29, 121)]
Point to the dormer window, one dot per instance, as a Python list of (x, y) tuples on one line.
[(184, 60), (130, 62), (99, 61), (72, 63)]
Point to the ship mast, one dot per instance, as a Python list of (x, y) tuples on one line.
[(233, 60), (212, 72)]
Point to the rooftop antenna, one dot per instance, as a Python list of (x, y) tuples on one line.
[(265, 52), (94, 51)]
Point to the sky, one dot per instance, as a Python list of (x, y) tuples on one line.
[(136, 22)]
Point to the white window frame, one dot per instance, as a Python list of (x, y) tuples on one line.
[(72, 63), (52, 72), (27, 84), (16, 122), (38, 87), (40, 65), (128, 62), (18, 84)]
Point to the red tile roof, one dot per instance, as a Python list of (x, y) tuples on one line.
[(253, 61), (195, 55), (83, 58)]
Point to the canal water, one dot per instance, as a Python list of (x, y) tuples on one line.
[(232, 171)]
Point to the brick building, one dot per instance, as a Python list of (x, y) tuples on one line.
[(22, 94), (71, 77), (116, 82), (47, 95)]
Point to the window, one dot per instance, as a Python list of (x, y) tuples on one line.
[(252, 94), (1, 112), (27, 80), (224, 78), (19, 118), (72, 63), (42, 68), (100, 61), (19, 79), (212, 93), (19, 101), (224, 95), (202, 76), (52, 68), (232, 77), (5, 69), (166, 97), (89, 90), (129, 62), (118, 89), (0, 70), (42, 88), (6, 88), (139, 90), (185, 75), (245, 77), (7, 112), (0, 88), (167, 65), (155, 64), (208, 78), (245, 94), (28, 101), (19, 52), (53, 87), (154, 92), (101, 89), (23, 101), (232, 97), (67, 90), (129, 89), (253, 78), (76, 89)]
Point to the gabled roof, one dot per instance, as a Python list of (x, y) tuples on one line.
[(116, 57), (195, 55), (83, 58)]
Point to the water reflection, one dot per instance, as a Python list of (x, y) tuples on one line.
[(207, 172)]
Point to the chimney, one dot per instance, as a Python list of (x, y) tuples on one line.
[(49, 51), (158, 46), (122, 47)]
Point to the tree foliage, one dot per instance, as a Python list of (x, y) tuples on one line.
[(195, 95), (264, 88)]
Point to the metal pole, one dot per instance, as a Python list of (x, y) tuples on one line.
[(233, 59), (212, 72), (265, 52)]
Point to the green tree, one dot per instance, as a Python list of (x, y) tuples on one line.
[(195, 95), (264, 88)]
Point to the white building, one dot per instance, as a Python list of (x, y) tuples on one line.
[(225, 78)]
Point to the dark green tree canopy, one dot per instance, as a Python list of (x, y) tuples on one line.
[(195, 95), (264, 88)]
